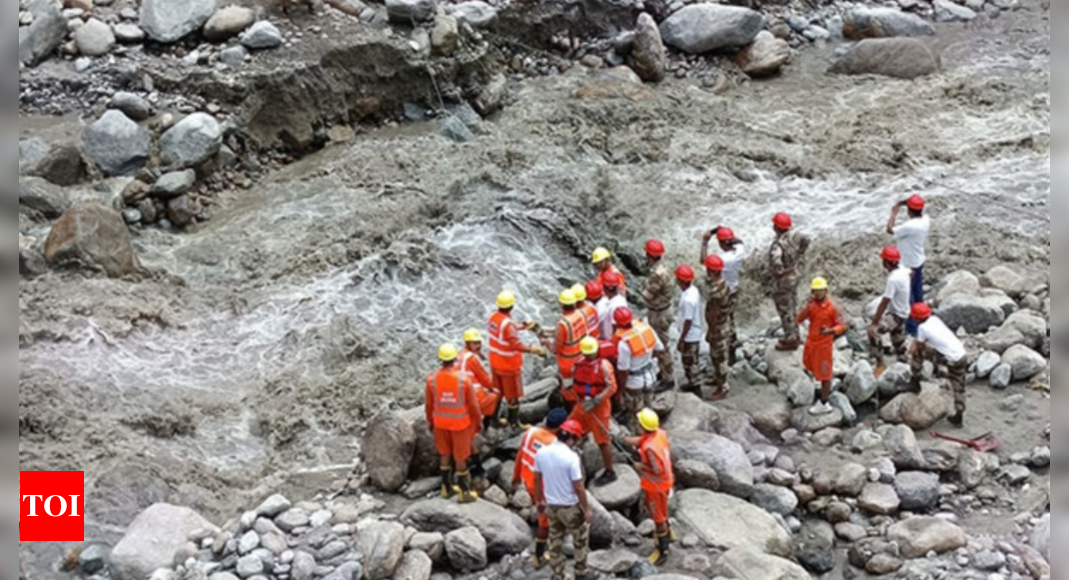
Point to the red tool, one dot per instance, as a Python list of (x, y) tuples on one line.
[(984, 443)]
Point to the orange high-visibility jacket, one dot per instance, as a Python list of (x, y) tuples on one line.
[(534, 440), (571, 330), (506, 349), (641, 339), (450, 400), (473, 365), (656, 452), (593, 321)]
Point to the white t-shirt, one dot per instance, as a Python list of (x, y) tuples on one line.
[(607, 326), (690, 308), (934, 332), (911, 239), (643, 371), (898, 286), (560, 468), (733, 262)]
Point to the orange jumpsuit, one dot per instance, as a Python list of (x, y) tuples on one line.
[(484, 390), (820, 349), (571, 330), (453, 410), (594, 378), (658, 476), (506, 356)]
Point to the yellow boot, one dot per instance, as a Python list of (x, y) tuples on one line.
[(467, 494), (660, 555), (448, 487)]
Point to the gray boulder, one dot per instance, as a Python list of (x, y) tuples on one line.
[(274, 506), (872, 22), (774, 499), (850, 479), (415, 565), (94, 38), (1041, 537), (44, 35), (228, 23), (31, 153), (1002, 377), (895, 380), (466, 550), (153, 538), (903, 58), (233, 55), (262, 36), (987, 363), (648, 55), (382, 545), (411, 12), (861, 383), (976, 314), (181, 211), (128, 33), (1008, 280), (388, 448), (841, 403), (613, 562), (116, 145), (505, 532), (765, 57), (806, 422), (960, 282), (623, 493), (726, 522), (169, 21), (476, 13), (919, 411), (704, 28), (1022, 327), (918, 491), (917, 537), (733, 467), (42, 198), (754, 565), (191, 142), (454, 129), (901, 442), (696, 475), (91, 236), (174, 184), (947, 11), (1025, 362), (879, 499), (690, 415), (131, 105)]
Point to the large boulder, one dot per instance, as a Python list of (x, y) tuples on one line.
[(765, 57), (382, 545), (691, 415), (505, 532), (960, 282), (806, 422), (975, 313), (917, 537), (648, 56), (704, 28), (169, 21), (131, 105), (727, 458), (919, 411), (774, 499), (411, 12), (416, 565), (476, 13), (153, 538), (1022, 327), (948, 11), (623, 493), (466, 549), (41, 38), (92, 236), (901, 443), (697, 475), (42, 198), (62, 165), (903, 58), (1025, 362), (228, 23), (389, 444), (94, 38), (879, 499), (116, 144), (872, 22), (754, 565), (726, 523), (262, 36), (1041, 537), (1008, 280), (917, 490), (191, 142)]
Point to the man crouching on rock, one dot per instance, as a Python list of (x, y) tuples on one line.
[(561, 495)]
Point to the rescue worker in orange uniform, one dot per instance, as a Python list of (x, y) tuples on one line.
[(571, 329), (506, 356), (658, 478), (533, 441), (595, 293), (590, 312), (453, 415), (603, 262), (471, 362), (594, 387), (826, 324)]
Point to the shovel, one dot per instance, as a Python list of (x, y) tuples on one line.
[(983, 444)]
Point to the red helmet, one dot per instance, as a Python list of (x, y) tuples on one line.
[(685, 273), (714, 263), (608, 350), (725, 235), (610, 280), (594, 291), (915, 203), (783, 221), (655, 248), (623, 317), (891, 254), (573, 428), (921, 312)]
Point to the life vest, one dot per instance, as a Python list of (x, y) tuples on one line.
[(450, 400), (591, 378), (657, 456), (503, 358), (593, 321), (640, 339), (568, 352), (534, 441), (486, 397)]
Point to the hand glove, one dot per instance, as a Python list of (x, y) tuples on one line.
[(589, 405)]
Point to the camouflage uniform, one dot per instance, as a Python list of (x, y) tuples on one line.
[(718, 330), (956, 373), (659, 295), (786, 252), (562, 522), (692, 366), (896, 327)]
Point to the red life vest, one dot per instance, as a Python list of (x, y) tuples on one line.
[(591, 378)]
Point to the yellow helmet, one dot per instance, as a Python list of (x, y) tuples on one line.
[(567, 298), (472, 335), (820, 284), (506, 300), (649, 420), (447, 353), (580, 292), (601, 254), (590, 346)]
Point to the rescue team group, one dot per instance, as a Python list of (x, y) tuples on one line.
[(600, 347)]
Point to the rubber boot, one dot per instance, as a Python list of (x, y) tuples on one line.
[(514, 419), (448, 490), (660, 555), (541, 554), (672, 537), (467, 495)]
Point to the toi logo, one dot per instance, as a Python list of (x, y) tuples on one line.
[(51, 506)]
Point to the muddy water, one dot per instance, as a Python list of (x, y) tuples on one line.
[(311, 302)]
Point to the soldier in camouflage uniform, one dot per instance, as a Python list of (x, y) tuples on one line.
[(786, 253), (659, 295), (718, 325)]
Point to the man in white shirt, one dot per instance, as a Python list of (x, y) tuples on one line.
[(690, 325), (636, 361), (733, 252), (893, 311), (912, 240), (561, 495), (612, 283), (936, 342)]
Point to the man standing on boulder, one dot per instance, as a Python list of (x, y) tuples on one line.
[(506, 355), (658, 478), (690, 332), (936, 342), (659, 294), (733, 252), (534, 440), (561, 495), (912, 239), (593, 390), (718, 325), (785, 255), (636, 366), (893, 311), (454, 417), (826, 324)]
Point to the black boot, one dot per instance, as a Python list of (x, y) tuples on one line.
[(541, 550), (957, 420), (606, 478), (467, 495), (448, 491), (659, 556)]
